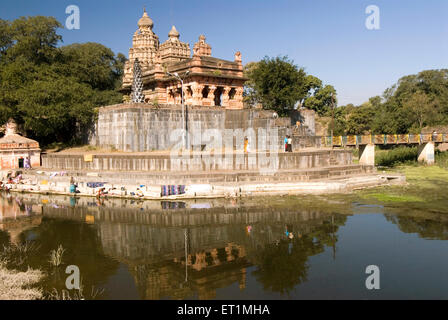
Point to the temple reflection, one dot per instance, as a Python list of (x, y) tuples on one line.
[(192, 249), (17, 216)]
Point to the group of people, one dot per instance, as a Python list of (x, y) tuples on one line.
[(4, 187), (11, 178), (288, 144)]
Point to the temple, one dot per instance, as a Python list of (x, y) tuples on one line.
[(208, 81), (17, 151)]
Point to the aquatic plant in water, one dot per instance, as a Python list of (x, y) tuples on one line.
[(56, 256)]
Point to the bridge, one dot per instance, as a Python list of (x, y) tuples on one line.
[(366, 144)]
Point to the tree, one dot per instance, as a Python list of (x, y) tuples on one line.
[(276, 83), (321, 100), (420, 109), (360, 119), (414, 102), (34, 38), (52, 91), (5, 37), (91, 63)]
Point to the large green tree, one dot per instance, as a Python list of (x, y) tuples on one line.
[(278, 84), (52, 91)]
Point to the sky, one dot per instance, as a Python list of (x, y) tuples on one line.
[(328, 38)]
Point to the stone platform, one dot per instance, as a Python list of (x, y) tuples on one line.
[(267, 162), (143, 127), (204, 175)]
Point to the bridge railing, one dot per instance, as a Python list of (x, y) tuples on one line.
[(383, 139)]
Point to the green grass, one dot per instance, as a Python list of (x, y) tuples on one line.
[(391, 197), (425, 190)]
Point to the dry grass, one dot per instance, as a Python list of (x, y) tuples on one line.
[(20, 285)]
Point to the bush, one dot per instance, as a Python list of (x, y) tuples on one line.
[(442, 159), (393, 157)]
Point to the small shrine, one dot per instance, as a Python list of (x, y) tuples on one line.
[(16, 151)]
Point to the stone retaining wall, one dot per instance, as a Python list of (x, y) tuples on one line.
[(141, 127), (198, 162)]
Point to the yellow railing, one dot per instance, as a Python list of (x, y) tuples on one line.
[(384, 139)]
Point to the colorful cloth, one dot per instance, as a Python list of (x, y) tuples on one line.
[(172, 190), (95, 184)]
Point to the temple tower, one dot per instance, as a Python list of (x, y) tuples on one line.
[(145, 46), (173, 50), (201, 48)]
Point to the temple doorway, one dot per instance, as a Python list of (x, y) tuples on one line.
[(218, 96)]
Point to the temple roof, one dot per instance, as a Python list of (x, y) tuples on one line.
[(12, 140), (173, 33), (16, 138), (16, 142), (145, 20)]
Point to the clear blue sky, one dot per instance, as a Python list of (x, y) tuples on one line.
[(326, 37)]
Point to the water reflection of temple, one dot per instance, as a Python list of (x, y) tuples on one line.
[(17, 216), (187, 252)]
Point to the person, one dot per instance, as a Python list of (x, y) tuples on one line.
[(101, 193), (286, 144), (246, 145), (27, 164), (289, 144), (139, 193), (434, 136), (73, 186)]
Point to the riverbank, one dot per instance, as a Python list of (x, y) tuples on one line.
[(60, 185), (425, 190), (16, 285)]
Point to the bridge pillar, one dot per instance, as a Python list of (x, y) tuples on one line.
[(367, 154), (426, 153)]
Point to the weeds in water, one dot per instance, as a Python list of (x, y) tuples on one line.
[(16, 256), (64, 294), (56, 256)]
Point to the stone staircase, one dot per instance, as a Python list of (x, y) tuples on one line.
[(165, 178)]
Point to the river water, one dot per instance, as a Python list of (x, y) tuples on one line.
[(261, 248)]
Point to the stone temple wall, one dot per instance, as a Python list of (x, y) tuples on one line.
[(140, 127), (198, 162)]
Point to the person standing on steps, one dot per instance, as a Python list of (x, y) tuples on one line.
[(246, 145), (289, 144)]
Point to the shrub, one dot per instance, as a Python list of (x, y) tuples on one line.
[(395, 156)]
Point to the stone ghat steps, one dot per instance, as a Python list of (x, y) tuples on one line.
[(163, 178)]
